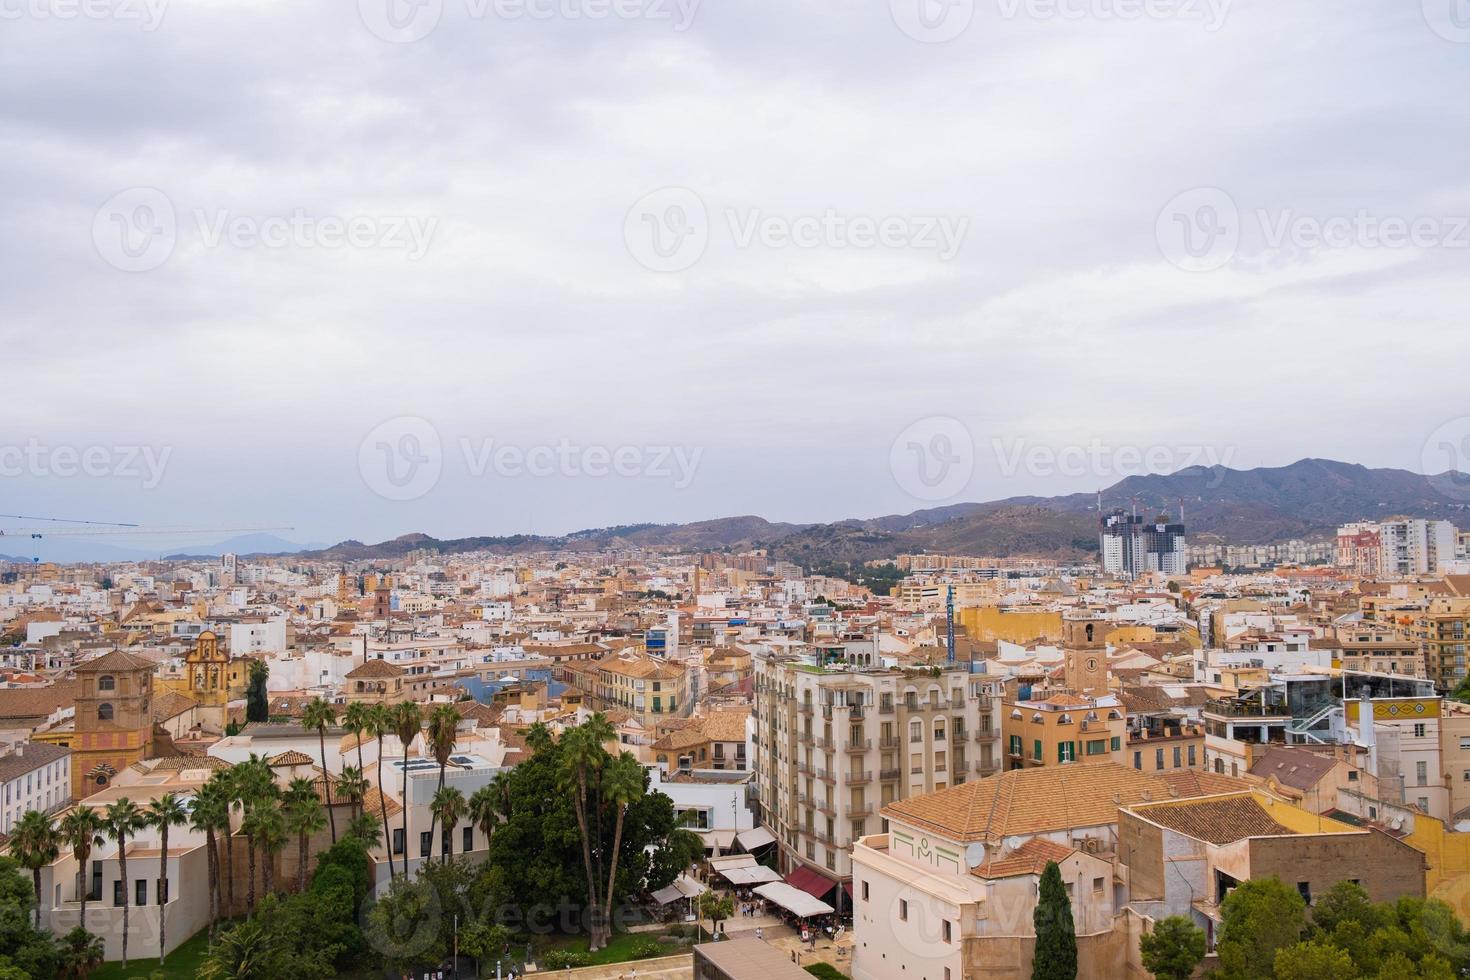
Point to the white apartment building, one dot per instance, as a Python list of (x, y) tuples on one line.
[(840, 734), (257, 639), (1409, 546), (33, 776)]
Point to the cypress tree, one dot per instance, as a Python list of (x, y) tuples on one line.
[(1056, 935)]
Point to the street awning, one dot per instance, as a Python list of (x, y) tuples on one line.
[(810, 882), (683, 887), (721, 840), (727, 861), (750, 876), (755, 837), (794, 900)]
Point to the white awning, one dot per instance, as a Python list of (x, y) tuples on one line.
[(688, 887), (726, 861), (720, 839), (794, 900), (666, 895), (755, 837), (750, 876)]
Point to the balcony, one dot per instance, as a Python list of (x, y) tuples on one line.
[(886, 708), (889, 774), (859, 777), (826, 775), (860, 810), (860, 745), (805, 738), (822, 742), (805, 768), (986, 735), (1246, 709), (985, 703), (805, 708), (888, 742)]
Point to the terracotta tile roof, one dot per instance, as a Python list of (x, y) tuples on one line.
[(375, 669), (1029, 859), (290, 757), (681, 740), (36, 702), (726, 726), (1052, 798), (170, 704), (1221, 820), (116, 660), (1295, 767), (369, 802), (33, 756)]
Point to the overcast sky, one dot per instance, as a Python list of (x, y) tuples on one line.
[(366, 269)]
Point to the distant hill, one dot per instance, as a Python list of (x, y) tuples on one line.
[(1307, 499)]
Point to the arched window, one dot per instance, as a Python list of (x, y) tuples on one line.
[(104, 712), (106, 683)]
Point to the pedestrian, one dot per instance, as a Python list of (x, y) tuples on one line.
[(760, 933)]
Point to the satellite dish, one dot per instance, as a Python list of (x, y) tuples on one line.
[(1011, 843), (975, 855)]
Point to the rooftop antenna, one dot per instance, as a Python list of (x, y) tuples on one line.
[(949, 622)]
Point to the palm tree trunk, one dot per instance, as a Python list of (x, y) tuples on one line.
[(594, 927), (122, 860), (449, 842), (383, 804), (36, 881), (250, 894), (211, 866), (301, 866), (434, 817), (612, 874), (406, 848), (268, 869), (162, 887), (321, 738), (230, 871)]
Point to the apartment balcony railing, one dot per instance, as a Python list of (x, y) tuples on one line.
[(1237, 709), (827, 711), (859, 777), (805, 708), (888, 742), (861, 810), (886, 708), (822, 742), (805, 738), (985, 702), (985, 735), (860, 745), (826, 808), (805, 768), (887, 774), (826, 775)]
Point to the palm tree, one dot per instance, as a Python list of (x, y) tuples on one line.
[(406, 723), (304, 817), (270, 831), (355, 722), (227, 792), (167, 811), (79, 953), (443, 726), (123, 820), (364, 827), (82, 830), (35, 844), (450, 807), (210, 814), (380, 724), (600, 731), (353, 788), (624, 786), (484, 808), (319, 715), (538, 737), (580, 754)]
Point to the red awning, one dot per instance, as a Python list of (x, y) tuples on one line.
[(810, 882), (847, 887)]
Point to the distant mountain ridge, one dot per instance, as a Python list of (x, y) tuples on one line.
[(1307, 499)]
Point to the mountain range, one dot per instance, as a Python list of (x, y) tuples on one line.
[(1307, 499)]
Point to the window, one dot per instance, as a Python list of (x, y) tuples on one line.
[(865, 891), (948, 933), (106, 683), (1066, 751), (1421, 773), (1138, 760), (939, 732), (140, 892), (1353, 775), (1305, 889), (1191, 756), (425, 843), (1177, 760), (1097, 885), (1015, 745), (903, 910), (1158, 758), (1036, 749), (469, 840), (1419, 730), (916, 731), (104, 712), (1115, 744), (398, 840)]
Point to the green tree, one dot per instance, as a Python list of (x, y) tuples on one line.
[(81, 829), (319, 715), (1056, 936), (484, 807), (484, 940), (245, 952), (78, 954), (23, 946), (210, 815), (1173, 949), (380, 723), (35, 844), (1345, 901), (352, 787), (257, 700), (304, 817), (716, 908), (123, 819), (582, 754), (1259, 917), (1314, 959), (167, 811)]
